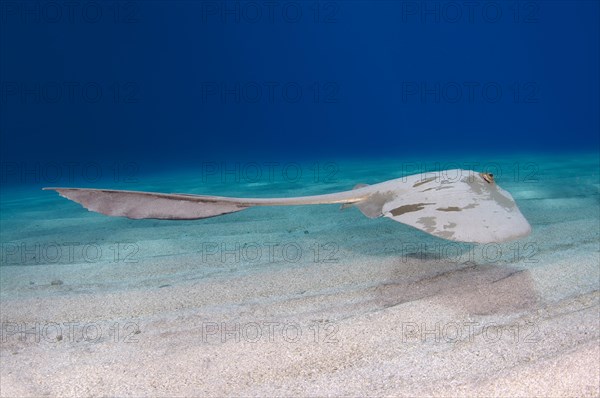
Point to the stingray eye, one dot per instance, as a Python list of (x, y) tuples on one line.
[(488, 177)]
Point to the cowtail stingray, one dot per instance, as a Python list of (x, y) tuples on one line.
[(458, 205)]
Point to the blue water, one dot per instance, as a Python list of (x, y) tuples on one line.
[(165, 84), (277, 99), (292, 98), (555, 193)]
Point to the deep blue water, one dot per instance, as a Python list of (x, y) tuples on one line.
[(158, 85)]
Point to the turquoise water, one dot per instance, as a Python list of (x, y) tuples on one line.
[(558, 194)]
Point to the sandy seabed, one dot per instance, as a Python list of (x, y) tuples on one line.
[(303, 301)]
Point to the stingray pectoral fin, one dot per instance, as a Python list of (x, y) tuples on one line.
[(138, 205), (467, 209)]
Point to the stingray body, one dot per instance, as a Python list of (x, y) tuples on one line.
[(458, 205)]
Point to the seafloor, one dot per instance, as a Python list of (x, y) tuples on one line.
[(310, 300)]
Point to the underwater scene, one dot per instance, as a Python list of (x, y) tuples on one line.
[(328, 198)]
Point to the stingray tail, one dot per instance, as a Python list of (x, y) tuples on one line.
[(140, 205)]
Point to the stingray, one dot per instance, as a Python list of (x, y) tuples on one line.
[(457, 205)]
